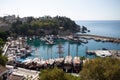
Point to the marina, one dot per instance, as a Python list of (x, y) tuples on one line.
[(36, 53), (18, 50), (21, 54), (60, 40)]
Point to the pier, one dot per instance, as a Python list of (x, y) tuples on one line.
[(49, 41), (99, 38), (104, 53)]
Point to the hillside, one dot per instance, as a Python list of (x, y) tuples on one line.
[(39, 26)]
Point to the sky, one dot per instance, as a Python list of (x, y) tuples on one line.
[(74, 9)]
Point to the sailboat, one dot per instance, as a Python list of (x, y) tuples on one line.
[(68, 61), (76, 61), (60, 51), (50, 61), (59, 61)]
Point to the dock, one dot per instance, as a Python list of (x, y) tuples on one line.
[(99, 38), (5, 48), (49, 41), (104, 53)]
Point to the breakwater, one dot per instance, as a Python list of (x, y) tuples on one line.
[(99, 38)]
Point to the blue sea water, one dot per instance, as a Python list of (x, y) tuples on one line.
[(103, 28)]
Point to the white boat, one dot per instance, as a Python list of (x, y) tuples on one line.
[(76, 61), (68, 60), (27, 61)]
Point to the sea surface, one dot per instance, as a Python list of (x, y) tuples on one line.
[(103, 28)]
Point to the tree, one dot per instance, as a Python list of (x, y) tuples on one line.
[(101, 69), (49, 25), (3, 60), (56, 74), (1, 42), (3, 35)]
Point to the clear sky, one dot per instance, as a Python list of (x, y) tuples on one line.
[(74, 9)]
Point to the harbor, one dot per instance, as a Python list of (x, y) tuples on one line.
[(67, 53), (18, 50), (62, 52)]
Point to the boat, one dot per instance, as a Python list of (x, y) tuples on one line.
[(83, 41), (76, 62), (68, 61), (41, 64)]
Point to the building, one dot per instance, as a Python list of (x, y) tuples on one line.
[(4, 72), (16, 77)]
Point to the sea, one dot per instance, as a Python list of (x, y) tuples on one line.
[(103, 28)]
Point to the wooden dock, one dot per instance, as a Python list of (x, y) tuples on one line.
[(99, 38)]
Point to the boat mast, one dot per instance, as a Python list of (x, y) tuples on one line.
[(60, 50), (47, 53), (51, 52), (77, 50), (68, 49), (86, 50)]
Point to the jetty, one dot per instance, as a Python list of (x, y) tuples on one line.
[(5, 48), (104, 53), (49, 41), (99, 38)]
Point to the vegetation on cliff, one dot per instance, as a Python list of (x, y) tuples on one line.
[(44, 25)]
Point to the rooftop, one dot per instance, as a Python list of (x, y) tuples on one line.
[(16, 77), (2, 70)]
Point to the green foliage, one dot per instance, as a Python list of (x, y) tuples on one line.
[(56, 74), (101, 69), (82, 58), (3, 35), (1, 42), (46, 25), (3, 59)]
